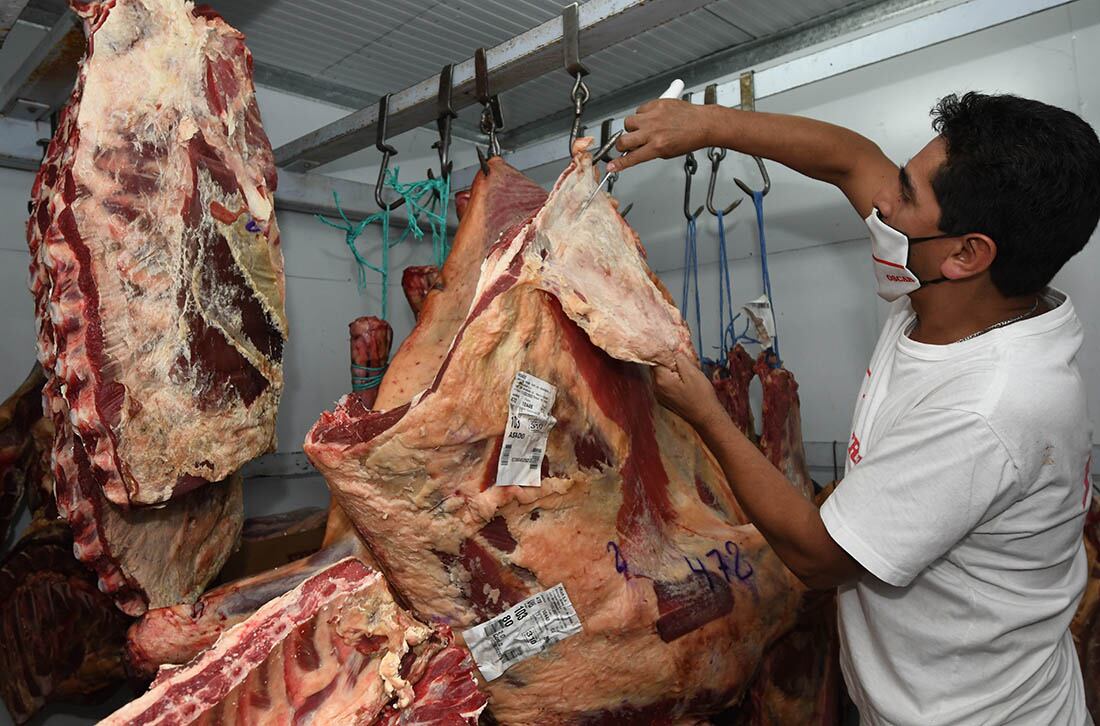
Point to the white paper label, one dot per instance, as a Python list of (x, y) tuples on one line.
[(522, 631), (763, 320), (529, 424)]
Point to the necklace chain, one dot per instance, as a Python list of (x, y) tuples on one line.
[(1003, 323)]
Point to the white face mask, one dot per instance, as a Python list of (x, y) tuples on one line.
[(890, 252)]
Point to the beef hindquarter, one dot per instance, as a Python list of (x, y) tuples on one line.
[(678, 597)]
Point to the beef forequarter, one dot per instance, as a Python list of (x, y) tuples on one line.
[(157, 271)]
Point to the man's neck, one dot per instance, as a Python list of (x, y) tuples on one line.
[(950, 311)]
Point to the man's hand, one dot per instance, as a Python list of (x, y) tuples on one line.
[(686, 391), (663, 129)]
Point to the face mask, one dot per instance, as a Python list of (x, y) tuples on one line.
[(890, 251)]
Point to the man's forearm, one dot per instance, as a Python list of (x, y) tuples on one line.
[(814, 148), (790, 523)]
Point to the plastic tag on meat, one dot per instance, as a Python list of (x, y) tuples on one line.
[(529, 424), (763, 319), (522, 631)]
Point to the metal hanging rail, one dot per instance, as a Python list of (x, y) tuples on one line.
[(10, 10), (603, 23), (876, 46)]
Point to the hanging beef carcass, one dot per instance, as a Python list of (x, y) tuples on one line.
[(417, 281), (731, 385), (677, 599), (18, 415), (370, 339), (496, 203), (62, 638), (158, 282), (799, 678), (336, 649), (781, 433)]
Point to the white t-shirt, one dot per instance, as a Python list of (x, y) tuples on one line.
[(965, 498)]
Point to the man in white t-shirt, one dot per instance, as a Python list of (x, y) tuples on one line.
[(955, 536)]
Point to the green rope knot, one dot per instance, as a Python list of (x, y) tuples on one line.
[(426, 199)]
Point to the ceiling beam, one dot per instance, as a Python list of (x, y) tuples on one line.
[(10, 10), (603, 23), (823, 28), (45, 77), (889, 38)]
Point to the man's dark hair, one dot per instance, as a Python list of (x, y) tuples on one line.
[(1024, 173)]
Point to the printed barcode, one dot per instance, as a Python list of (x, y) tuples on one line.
[(506, 454), (494, 627), (512, 654), (536, 459)]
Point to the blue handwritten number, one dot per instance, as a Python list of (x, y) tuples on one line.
[(620, 562), (722, 566), (736, 554), (699, 568)]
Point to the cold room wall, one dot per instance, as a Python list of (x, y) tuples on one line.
[(819, 258)]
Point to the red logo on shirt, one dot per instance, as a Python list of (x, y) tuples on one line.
[(853, 450), (899, 278)]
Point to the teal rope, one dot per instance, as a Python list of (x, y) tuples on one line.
[(427, 199), (364, 382)]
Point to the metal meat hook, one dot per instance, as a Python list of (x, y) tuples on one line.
[(387, 152), (445, 114), (571, 55), (763, 173), (715, 154), (492, 118), (607, 142), (690, 167)]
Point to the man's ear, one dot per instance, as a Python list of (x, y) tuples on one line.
[(972, 255)]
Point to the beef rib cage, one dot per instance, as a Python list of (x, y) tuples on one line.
[(334, 650)]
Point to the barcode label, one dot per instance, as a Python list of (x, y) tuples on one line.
[(512, 654), (522, 631), (525, 435)]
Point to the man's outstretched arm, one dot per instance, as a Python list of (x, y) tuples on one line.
[(669, 128), (790, 523)]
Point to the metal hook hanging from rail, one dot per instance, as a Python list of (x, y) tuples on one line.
[(444, 115), (763, 173), (607, 142), (387, 153), (716, 155), (690, 167), (492, 118), (571, 52)]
